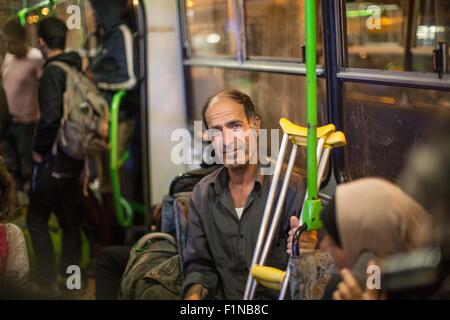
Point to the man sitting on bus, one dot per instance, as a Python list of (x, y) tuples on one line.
[(226, 207)]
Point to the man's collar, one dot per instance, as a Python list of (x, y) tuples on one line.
[(221, 179)]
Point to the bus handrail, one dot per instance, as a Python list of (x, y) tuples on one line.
[(123, 209)]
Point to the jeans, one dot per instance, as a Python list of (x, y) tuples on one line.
[(18, 152), (111, 264), (59, 195)]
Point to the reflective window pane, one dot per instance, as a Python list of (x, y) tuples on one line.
[(209, 27), (276, 29), (383, 123), (275, 95), (75, 36), (90, 25), (396, 35)]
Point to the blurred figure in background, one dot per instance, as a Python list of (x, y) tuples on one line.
[(370, 219), (426, 177), (21, 70), (115, 68), (14, 264), (56, 175), (419, 274)]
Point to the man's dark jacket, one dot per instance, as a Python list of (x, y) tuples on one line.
[(51, 102)]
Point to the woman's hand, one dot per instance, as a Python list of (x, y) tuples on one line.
[(349, 289)]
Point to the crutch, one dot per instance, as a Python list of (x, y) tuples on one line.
[(311, 207), (298, 137), (267, 276), (335, 140)]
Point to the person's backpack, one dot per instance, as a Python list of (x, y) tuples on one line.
[(152, 271), (84, 108)]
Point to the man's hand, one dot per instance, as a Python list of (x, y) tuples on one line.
[(196, 292), (37, 157), (349, 289), (88, 73), (308, 240), (103, 128)]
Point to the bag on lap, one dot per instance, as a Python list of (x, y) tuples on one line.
[(152, 271)]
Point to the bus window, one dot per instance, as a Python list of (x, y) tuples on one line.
[(91, 27), (432, 25), (382, 123), (75, 35), (276, 29), (275, 95), (209, 27), (396, 35)]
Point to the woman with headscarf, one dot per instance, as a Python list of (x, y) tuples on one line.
[(370, 218)]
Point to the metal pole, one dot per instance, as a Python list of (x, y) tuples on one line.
[(276, 215), (319, 160), (266, 216), (311, 98)]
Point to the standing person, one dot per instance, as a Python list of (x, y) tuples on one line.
[(114, 68), (21, 71), (55, 184)]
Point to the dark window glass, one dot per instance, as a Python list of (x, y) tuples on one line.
[(276, 29), (383, 123)]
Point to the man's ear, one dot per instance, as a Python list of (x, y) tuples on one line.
[(41, 42), (256, 122)]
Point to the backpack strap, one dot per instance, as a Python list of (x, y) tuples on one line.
[(154, 236), (62, 65), (71, 72)]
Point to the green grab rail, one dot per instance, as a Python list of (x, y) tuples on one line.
[(312, 206), (124, 211)]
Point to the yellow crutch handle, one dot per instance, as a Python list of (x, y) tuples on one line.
[(336, 140), (268, 277)]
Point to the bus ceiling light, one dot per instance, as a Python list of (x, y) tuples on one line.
[(33, 19), (213, 38)]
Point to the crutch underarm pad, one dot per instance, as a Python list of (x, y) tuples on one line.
[(268, 277), (336, 140), (302, 132)]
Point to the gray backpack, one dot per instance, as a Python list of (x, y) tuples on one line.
[(84, 107)]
